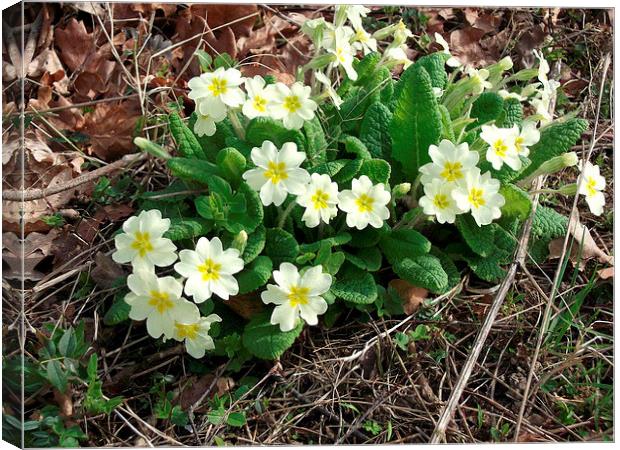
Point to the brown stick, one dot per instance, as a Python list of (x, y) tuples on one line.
[(35, 194)]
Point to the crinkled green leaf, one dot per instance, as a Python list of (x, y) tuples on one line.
[(254, 275), (316, 142), (423, 271), (355, 146), (403, 243), (118, 312), (349, 171), (231, 164), (263, 129), (266, 341), (355, 286), (518, 204), (281, 246), (416, 123), (332, 241), (189, 228), (375, 130), (187, 143), (512, 113), (191, 169), (368, 258), (487, 108), (378, 170)]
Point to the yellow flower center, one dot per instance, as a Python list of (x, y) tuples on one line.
[(160, 301), (452, 171), (319, 199), (364, 203), (298, 296), (260, 104), (142, 243), (518, 144), (476, 197), (361, 36), (292, 103), (340, 54), (591, 186), (189, 331), (276, 172), (210, 270), (441, 201), (218, 86), (500, 148)]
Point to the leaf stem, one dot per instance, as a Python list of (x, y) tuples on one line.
[(236, 124), (286, 213)]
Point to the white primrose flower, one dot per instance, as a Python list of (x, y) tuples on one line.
[(479, 195), (158, 300), (365, 203), (142, 244), (343, 53), (293, 105), (207, 118), (452, 61), (315, 28), (354, 13), (277, 172), (592, 187), (209, 270), (218, 90), (528, 136), (503, 93), (364, 42), (195, 332), (397, 56), (437, 201), (260, 97), (297, 295), (479, 77), (450, 162), (322, 78), (401, 33), (320, 200), (502, 148)]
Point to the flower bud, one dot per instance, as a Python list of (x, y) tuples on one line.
[(506, 63), (553, 165), (400, 190), (318, 62), (568, 189), (383, 33), (151, 147), (525, 74), (240, 241)]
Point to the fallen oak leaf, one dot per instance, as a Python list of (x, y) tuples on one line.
[(412, 296), (606, 273)]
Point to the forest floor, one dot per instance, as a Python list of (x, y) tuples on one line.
[(97, 76)]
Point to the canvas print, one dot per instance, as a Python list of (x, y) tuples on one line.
[(255, 224)]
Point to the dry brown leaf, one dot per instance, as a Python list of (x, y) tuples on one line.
[(412, 296), (194, 388), (35, 247), (246, 305), (606, 273), (106, 271), (583, 247), (465, 45), (110, 128), (75, 44)]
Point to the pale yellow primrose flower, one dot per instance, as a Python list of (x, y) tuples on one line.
[(450, 162), (207, 118), (158, 300), (293, 105), (502, 148), (209, 270), (320, 200), (296, 295), (195, 332), (437, 201), (365, 203), (528, 136), (592, 187), (479, 78), (260, 98), (322, 78), (364, 42), (479, 195), (218, 90), (343, 53), (277, 172), (142, 244), (452, 61)]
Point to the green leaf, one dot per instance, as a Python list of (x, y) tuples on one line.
[(118, 312), (187, 143), (518, 204), (66, 344), (252, 217), (487, 108), (281, 246), (435, 65), (505, 174), (91, 369), (254, 275), (355, 286), (378, 170), (194, 170), (547, 225), (211, 145), (512, 113), (188, 228), (231, 164), (481, 239), (355, 146), (423, 271), (416, 123), (263, 129), (223, 60), (56, 375), (266, 341), (333, 263), (332, 241), (403, 243), (316, 142), (368, 237), (447, 130), (349, 171), (555, 139), (454, 276), (236, 419), (330, 168), (375, 130), (486, 268), (255, 244), (366, 259)]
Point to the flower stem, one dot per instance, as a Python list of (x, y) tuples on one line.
[(285, 214), (236, 123)]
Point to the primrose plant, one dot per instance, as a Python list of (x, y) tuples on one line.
[(291, 204)]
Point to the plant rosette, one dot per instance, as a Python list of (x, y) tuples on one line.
[(291, 205)]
